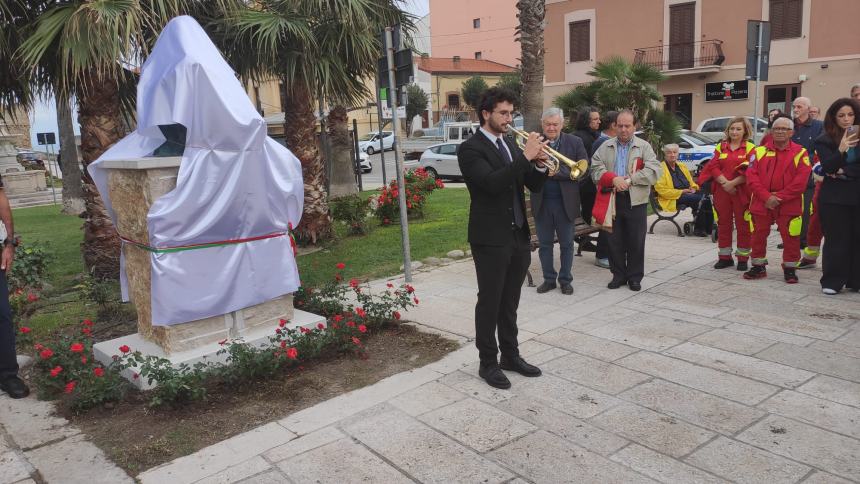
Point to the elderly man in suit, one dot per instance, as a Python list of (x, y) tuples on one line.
[(628, 166), (495, 171), (556, 207)]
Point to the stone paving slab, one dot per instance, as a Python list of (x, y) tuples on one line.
[(700, 377)]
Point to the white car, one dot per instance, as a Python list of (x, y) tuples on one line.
[(369, 143), (715, 128), (364, 162), (440, 161)]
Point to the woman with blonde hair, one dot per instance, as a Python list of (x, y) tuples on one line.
[(731, 197)]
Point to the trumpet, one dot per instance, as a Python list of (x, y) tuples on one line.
[(578, 169)]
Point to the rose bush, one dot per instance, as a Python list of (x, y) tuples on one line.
[(419, 184)]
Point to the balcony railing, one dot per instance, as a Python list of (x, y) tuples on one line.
[(687, 55)]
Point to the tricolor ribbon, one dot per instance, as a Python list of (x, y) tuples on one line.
[(205, 245)]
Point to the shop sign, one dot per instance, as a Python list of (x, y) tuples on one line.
[(726, 90)]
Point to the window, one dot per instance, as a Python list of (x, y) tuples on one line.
[(477, 55), (580, 40), (448, 150), (715, 125), (785, 18), (453, 100), (476, 23)]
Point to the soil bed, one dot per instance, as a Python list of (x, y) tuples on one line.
[(138, 438)]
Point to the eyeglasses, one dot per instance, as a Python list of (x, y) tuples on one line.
[(504, 114), (781, 130)]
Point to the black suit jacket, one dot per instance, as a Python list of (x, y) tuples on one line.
[(570, 146), (492, 182), (834, 190)]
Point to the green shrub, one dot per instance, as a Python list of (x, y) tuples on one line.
[(353, 211), (29, 268), (419, 184)]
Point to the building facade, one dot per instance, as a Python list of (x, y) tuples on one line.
[(19, 127), (475, 29), (701, 46)]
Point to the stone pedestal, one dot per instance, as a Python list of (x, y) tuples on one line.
[(15, 180), (133, 187)]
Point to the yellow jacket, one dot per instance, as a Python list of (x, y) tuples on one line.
[(667, 194)]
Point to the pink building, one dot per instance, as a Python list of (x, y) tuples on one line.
[(475, 29)]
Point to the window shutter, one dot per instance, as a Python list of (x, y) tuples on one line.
[(580, 40), (786, 18)]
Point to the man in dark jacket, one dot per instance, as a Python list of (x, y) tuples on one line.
[(556, 207), (588, 130), (806, 130), (495, 171)]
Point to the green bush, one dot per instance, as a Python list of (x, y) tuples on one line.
[(419, 185), (29, 268), (353, 211)]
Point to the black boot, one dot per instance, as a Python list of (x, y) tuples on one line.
[(723, 263)]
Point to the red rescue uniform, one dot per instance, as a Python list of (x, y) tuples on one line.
[(782, 173), (732, 210)]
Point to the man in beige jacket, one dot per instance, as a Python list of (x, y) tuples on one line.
[(628, 166)]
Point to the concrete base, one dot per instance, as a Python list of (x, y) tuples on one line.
[(259, 335)]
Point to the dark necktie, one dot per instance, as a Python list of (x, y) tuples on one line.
[(519, 216)]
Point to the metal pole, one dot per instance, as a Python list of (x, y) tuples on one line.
[(379, 122), (401, 192), (356, 160), (757, 76), (50, 172)]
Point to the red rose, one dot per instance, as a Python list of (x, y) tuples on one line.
[(76, 348), (135, 376), (99, 371), (360, 312), (338, 277), (84, 360), (362, 328), (87, 331), (410, 289), (87, 322), (25, 329), (320, 326), (353, 283), (396, 315), (304, 330), (415, 299), (351, 324), (338, 318), (340, 266), (38, 347), (278, 331), (46, 353), (283, 344), (282, 323), (390, 285), (70, 387), (356, 341), (32, 297), (292, 353), (56, 370)]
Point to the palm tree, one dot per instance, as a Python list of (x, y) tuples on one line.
[(530, 32), (85, 49), (311, 46), (619, 84)]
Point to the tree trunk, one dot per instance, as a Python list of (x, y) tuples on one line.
[(530, 30), (73, 191), (101, 127), (342, 169), (301, 137)]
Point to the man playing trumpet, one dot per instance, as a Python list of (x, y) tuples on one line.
[(495, 171), (556, 207)]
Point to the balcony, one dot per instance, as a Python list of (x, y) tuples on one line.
[(684, 58)]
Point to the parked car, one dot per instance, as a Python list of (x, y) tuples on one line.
[(695, 149), (440, 161), (369, 143), (30, 160), (715, 128), (364, 162)]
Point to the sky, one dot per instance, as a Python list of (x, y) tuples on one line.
[(43, 118)]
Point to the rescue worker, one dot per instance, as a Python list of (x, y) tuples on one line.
[(731, 194), (777, 179)]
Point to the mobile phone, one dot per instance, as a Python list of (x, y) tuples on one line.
[(853, 129)]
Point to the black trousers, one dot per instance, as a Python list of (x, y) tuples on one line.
[(627, 240), (8, 360), (807, 206), (501, 271), (841, 255)]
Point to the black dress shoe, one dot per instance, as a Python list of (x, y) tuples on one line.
[(634, 286), (15, 387), (519, 365), (546, 287), (723, 263), (616, 283), (566, 289), (742, 266), (493, 375)]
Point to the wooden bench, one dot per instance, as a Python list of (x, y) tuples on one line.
[(580, 227)]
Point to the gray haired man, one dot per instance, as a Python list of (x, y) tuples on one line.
[(556, 207)]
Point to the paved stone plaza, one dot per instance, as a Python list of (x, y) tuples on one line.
[(701, 377)]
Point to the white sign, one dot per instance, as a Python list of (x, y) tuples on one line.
[(401, 112)]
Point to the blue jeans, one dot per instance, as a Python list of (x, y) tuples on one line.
[(8, 360), (691, 200), (551, 221)]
